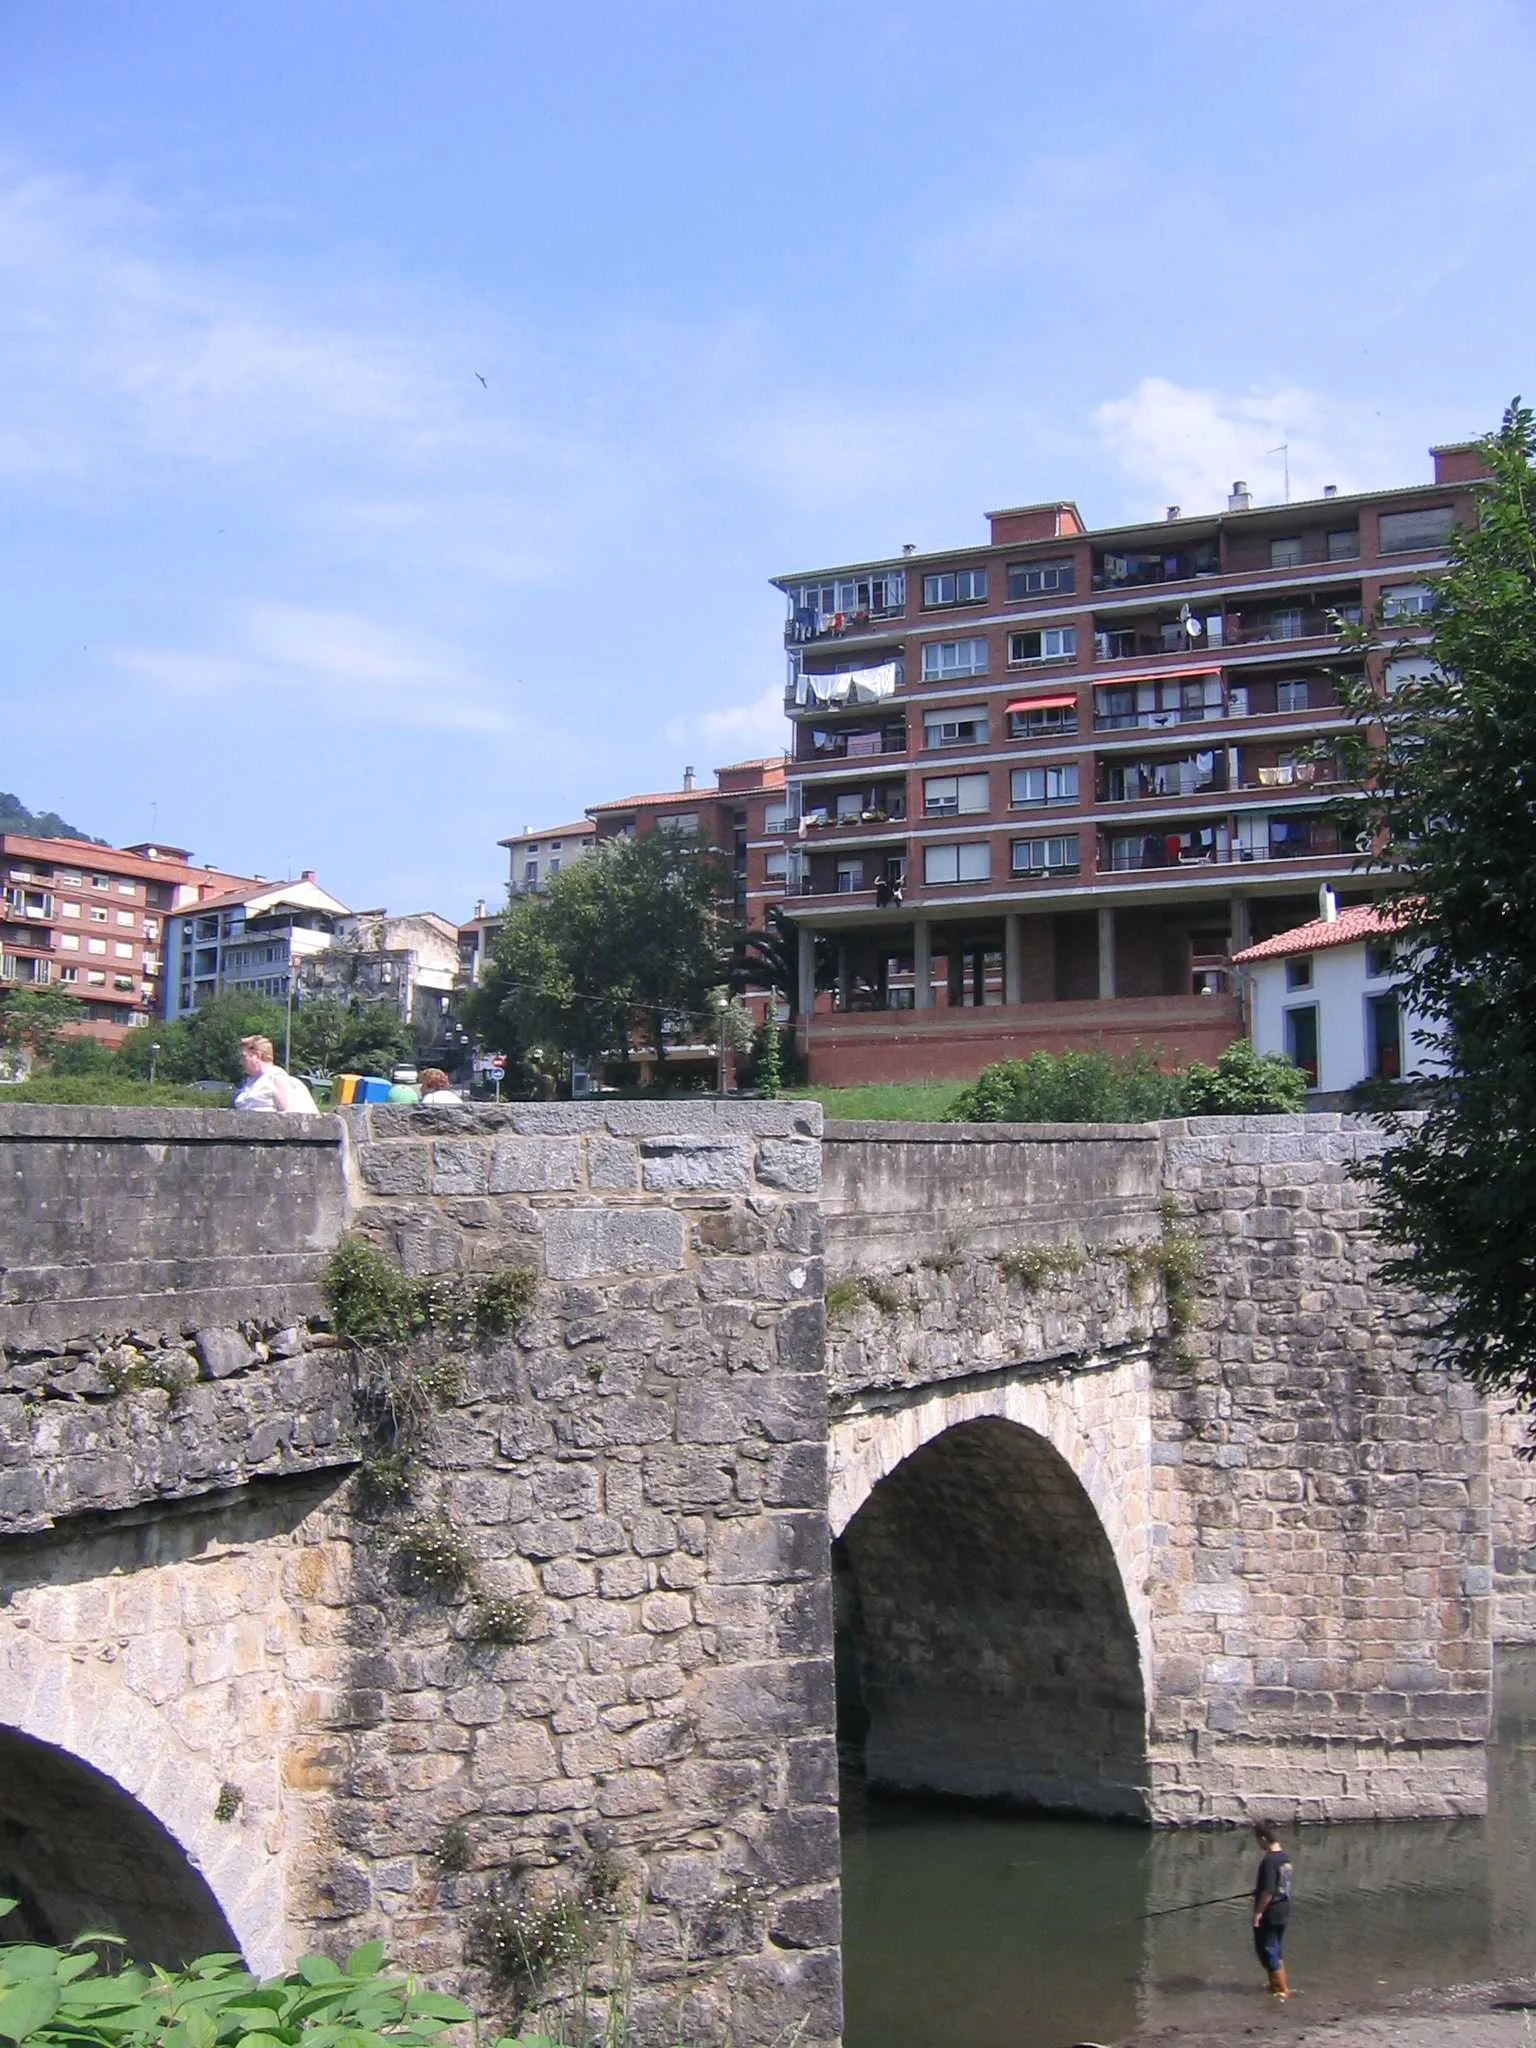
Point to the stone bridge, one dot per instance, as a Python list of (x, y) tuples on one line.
[(1143, 1498)]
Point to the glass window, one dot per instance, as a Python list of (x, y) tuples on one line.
[(96, 945), (1286, 553), (966, 861), (69, 942), (776, 816), (1291, 696), (1397, 532), (684, 824), (850, 876), (1343, 543), (126, 917), (1378, 960), (101, 882), (1383, 1036), (955, 586), (1052, 643), (961, 728), (98, 915), (1057, 856), (120, 951), (69, 910), (127, 888), (1407, 601), (1041, 579), (776, 867), (945, 658), (1301, 1040), (1298, 973), (1041, 721), (1052, 784), (953, 795)]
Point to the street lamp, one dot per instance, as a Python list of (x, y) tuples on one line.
[(154, 1054), (722, 1004)]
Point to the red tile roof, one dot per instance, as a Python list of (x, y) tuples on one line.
[(1359, 921)]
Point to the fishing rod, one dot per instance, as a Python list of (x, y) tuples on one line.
[(1162, 1912)]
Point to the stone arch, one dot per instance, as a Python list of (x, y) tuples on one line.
[(78, 1852), (991, 1562), (105, 1752)]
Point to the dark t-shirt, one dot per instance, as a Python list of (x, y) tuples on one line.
[(1274, 1881)]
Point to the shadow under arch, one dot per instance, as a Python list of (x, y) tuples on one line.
[(79, 1852), (985, 1641)]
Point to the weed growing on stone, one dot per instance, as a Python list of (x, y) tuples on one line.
[(949, 1256), (373, 1302), (1175, 1259), (228, 1803), (451, 1851), (849, 1293), (526, 1945), (1033, 1266), (436, 1557), (494, 1619), (144, 1373)]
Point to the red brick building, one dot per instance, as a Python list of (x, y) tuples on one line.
[(747, 805), (91, 920), (1044, 787)]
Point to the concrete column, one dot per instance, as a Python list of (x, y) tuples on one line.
[(1013, 959), (844, 976), (806, 957), (922, 964), (1106, 952), (1241, 924)]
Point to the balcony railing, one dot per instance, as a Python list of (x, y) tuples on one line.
[(804, 627), (1217, 846), (852, 746)]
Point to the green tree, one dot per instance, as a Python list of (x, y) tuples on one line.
[(1451, 813), (32, 1019), (624, 947), (1242, 1083), (331, 1036), (769, 959)]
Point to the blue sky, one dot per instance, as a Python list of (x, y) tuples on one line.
[(752, 289)]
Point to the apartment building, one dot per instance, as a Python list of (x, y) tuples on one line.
[(91, 920), (747, 802), (535, 858), (253, 940), (1043, 788)]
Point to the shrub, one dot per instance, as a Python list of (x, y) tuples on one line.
[(1091, 1087), (436, 1557), (1242, 1083), (1032, 1265)]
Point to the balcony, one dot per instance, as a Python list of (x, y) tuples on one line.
[(860, 743), (1173, 775), (28, 904), (1166, 635), (842, 689), (873, 870), (1132, 568), (844, 605), (1220, 842)]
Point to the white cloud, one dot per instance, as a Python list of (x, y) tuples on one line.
[(322, 666), (750, 729), (1191, 445)]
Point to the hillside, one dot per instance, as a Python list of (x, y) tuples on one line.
[(15, 817)]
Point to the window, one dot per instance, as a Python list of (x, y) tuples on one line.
[(962, 728), (955, 586), (98, 915), (1042, 720), (1291, 696), (68, 878), (776, 816), (948, 796), (966, 861), (1286, 553), (1409, 670), (121, 951), (1383, 1037), (1056, 784), (95, 945), (943, 659), (684, 824), (127, 888), (1052, 643), (69, 942), (1298, 973), (95, 977), (530, 874), (69, 974), (554, 865), (1041, 579), (1398, 532), (850, 876), (126, 917), (69, 910), (1407, 601), (776, 868), (1056, 856), (1378, 960), (101, 882), (1344, 544), (885, 591), (1301, 1040)]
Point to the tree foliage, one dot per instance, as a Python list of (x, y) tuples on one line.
[(624, 947), (1242, 1083), (31, 1019), (1095, 1087), (1451, 812)]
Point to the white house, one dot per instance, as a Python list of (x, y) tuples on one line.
[(1326, 995)]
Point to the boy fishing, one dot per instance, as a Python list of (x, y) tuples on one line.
[(1271, 1906)]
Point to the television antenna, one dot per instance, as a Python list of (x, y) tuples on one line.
[(1285, 450)]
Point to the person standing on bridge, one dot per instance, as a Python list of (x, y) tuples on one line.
[(1272, 1906), (266, 1086)]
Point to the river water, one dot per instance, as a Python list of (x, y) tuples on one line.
[(1001, 1932)]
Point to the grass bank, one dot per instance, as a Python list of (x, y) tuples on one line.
[(912, 1102)]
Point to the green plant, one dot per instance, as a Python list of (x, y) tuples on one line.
[(83, 1997), (228, 1803), (373, 1302), (1031, 1266), (385, 1478), (163, 1374), (525, 1944), (1174, 1258), (501, 1301), (948, 1258), (436, 1557), (452, 1850), (1242, 1083), (1091, 1087), (770, 1063), (850, 1292), (494, 1618)]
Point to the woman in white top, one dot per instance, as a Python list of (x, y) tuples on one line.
[(435, 1089), (266, 1086)]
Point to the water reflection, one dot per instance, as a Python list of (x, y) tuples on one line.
[(1016, 1933)]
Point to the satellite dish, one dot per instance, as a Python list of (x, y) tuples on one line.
[(1193, 627)]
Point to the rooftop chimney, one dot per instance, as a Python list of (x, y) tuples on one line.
[(308, 875), (687, 778), (1174, 511), (909, 547), (1327, 905), (1240, 500), (479, 906), (1330, 490)]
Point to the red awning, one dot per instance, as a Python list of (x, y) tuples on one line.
[(1043, 704)]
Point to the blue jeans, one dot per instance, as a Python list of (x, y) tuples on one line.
[(1268, 1942)]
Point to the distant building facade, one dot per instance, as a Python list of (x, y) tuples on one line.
[(94, 921), (250, 941), (410, 962)]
